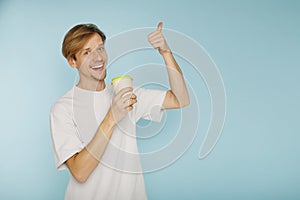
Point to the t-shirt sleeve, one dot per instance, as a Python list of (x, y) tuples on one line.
[(149, 104), (65, 138)]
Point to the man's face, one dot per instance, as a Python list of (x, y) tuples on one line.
[(91, 60)]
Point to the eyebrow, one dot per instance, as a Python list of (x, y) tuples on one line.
[(87, 49)]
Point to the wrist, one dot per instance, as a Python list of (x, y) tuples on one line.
[(165, 52), (109, 121)]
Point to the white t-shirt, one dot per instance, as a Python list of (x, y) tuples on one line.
[(74, 119)]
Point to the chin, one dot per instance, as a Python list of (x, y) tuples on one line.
[(102, 76)]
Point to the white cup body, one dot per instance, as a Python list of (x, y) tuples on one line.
[(121, 82)]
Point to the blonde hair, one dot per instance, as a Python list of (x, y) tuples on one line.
[(77, 36)]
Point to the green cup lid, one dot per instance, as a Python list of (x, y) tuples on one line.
[(120, 77)]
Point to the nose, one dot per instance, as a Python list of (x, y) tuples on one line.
[(97, 56)]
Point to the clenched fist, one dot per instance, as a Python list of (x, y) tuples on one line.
[(122, 103), (158, 41)]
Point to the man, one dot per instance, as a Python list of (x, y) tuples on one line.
[(92, 127)]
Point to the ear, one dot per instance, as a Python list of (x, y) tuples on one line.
[(72, 62)]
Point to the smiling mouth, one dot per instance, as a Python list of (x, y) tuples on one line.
[(98, 67)]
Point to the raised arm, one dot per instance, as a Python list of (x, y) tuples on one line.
[(177, 96)]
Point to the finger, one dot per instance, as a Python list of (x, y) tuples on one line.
[(159, 40), (128, 96), (157, 44), (124, 91), (154, 34), (130, 102), (133, 101), (129, 108), (159, 26), (157, 37), (133, 96)]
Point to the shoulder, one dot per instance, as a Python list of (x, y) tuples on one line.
[(63, 104)]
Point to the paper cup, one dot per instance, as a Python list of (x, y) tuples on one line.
[(121, 82)]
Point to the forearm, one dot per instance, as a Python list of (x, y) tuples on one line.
[(178, 96), (82, 164), (98, 144), (176, 79)]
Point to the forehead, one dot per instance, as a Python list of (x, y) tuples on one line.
[(93, 41)]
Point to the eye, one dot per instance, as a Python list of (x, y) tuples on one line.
[(86, 53), (101, 48)]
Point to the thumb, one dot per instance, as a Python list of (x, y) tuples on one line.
[(159, 26)]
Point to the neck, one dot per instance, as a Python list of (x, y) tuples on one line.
[(94, 86)]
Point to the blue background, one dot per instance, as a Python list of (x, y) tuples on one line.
[(255, 45)]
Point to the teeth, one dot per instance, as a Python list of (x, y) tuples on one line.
[(97, 67)]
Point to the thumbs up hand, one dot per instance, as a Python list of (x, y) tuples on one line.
[(158, 41)]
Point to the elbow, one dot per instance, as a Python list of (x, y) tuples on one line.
[(79, 175), (184, 102), (184, 99), (80, 178)]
